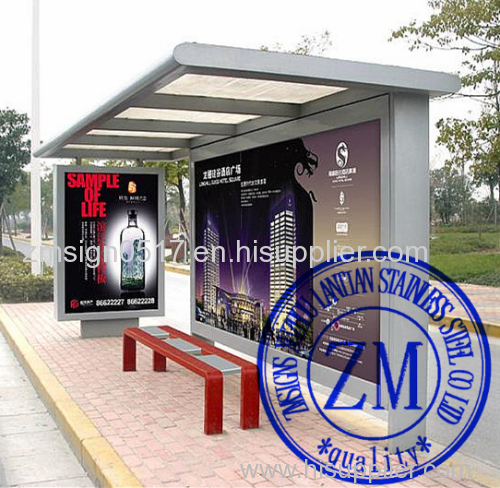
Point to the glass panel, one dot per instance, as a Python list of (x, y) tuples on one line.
[(119, 148), (133, 133), (185, 115)]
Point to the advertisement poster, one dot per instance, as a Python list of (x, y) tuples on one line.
[(321, 190), (111, 252)]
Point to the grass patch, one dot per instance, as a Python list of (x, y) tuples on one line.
[(464, 242), (473, 268)]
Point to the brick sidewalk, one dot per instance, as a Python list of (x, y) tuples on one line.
[(155, 421)]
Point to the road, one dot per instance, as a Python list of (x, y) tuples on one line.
[(25, 248), (483, 444)]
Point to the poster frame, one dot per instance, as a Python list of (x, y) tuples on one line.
[(60, 172), (335, 118)]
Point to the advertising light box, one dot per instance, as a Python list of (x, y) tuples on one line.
[(320, 191), (109, 240)]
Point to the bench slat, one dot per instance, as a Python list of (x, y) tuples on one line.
[(224, 366), (156, 332), (184, 346)]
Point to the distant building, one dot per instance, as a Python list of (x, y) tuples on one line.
[(282, 236), (211, 268)]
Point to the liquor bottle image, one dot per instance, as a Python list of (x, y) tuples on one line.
[(132, 243)]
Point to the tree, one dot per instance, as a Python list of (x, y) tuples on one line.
[(47, 192), (176, 176), (18, 202), (471, 27), (448, 193), (309, 45), (14, 154)]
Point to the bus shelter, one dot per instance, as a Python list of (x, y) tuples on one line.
[(284, 150)]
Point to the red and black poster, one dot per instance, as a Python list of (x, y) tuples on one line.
[(111, 252)]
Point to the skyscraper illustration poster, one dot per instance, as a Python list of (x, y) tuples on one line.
[(322, 190)]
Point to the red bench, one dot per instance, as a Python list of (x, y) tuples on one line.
[(249, 398)]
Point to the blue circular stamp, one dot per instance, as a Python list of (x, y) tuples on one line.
[(374, 369)]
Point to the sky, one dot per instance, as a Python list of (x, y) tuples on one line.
[(91, 49)]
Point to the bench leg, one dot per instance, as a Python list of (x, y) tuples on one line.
[(249, 399), (129, 354), (214, 393), (159, 362)]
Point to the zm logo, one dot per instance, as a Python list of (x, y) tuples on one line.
[(342, 154), (410, 363)]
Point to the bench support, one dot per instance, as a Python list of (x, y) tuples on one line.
[(214, 395), (249, 399), (159, 362), (129, 354)]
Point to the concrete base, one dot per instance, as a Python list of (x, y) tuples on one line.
[(105, 328)]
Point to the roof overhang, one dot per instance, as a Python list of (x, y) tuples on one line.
[(205, 93)]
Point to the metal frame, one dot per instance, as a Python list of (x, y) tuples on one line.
[(59, 268), (404, 164), (364, 111)]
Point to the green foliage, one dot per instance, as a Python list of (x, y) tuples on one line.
[(47, 192), (17, 284), (8, 252), (450, 193), (176, 178), (464, 242), (467, 256), (472, 28), (19, 200), (14, 149), (14, 154), (309, 45), (467, 229), (473, 268)]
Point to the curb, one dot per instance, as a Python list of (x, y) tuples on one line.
[(94, 452), (491, 329)]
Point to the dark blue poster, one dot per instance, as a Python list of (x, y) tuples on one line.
[(311, 195)]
